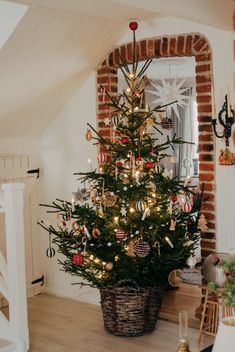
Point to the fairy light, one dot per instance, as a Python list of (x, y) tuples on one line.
[(131, 75), (91, 257), (169, 242), (154, 195), (97, 260), (101, 170), (136, 108), (132, 210), (125, 175), (90, 164), (116, 258), (116, 218), (128, 90), (104, 263)]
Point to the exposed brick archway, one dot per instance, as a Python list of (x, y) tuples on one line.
[(169, 46)]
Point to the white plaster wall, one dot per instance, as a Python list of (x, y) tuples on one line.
[(64, 149), (18, 146)]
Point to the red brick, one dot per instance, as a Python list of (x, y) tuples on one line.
[(172, 47), (129, 52), (188, 49), (208, 187), (106, 70), (205, 253), (206, 137), (105, 132), (203, 79), (116, 57), (204, 108), (203, 98), (203, 57), (150, 48), (204, 119), (211, 225), (206, 167), (157, 48), (203, 68), (198, 46), (206, 177), (203, 88), (103, 98), (180, 46), (103, 79), (206, 157), (208, 235), (209, 197), (208, 244), (143, 49), (164, 50), (206, 147), (124, 52), (208, 206)]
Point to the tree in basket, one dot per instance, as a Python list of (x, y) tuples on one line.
[(131, 224)]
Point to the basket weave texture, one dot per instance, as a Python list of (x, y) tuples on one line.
[(130, 311)]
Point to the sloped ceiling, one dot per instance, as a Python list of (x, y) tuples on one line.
[(52, 51)]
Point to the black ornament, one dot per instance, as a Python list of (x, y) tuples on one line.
[(50, 252)]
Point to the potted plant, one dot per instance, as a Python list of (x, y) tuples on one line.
[(132, 223)]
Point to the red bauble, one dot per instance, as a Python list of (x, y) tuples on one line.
[(78, 259), (174, 198), (133, 26), (119, 164), (124, 140), (149, 165), (139, 161), (120, 234)]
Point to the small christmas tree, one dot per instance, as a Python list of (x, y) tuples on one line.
[(132, 221)]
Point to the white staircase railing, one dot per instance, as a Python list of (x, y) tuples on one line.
[(12, 272)]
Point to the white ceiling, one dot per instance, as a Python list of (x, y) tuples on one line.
[(58, 43)]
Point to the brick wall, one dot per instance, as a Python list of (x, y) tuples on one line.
[(182, 45)]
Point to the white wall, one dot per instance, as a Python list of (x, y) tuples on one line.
[(65, 150), (18, 146)]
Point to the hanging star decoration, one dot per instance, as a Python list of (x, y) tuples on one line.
[(123, 211), (81, 195), (107, 121), (168, 92)]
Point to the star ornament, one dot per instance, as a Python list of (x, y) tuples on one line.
[(123, 211), (169, 91), (107, 121)]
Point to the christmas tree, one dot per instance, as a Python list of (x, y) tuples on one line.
[(131, 220)]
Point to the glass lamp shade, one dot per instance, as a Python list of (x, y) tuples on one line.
[(183, 332), (225, 338)]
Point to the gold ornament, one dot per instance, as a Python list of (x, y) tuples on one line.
[(95, 232), (174, 278), (142, 131), (108, 199), (130, 249), (109, 266), (88, 135), (173, 224), (149, 121), (202, 223), (184, 346)]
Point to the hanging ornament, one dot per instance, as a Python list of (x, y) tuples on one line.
[(84, 230), (95, 232), (202, 223), (82, 195), (142, 132), (139, 161), (107, 121), (77, 259), (140, 205), (102, 157), (119, 164), (149, 165), (109, 266), (169, 91), (115, 120), (120, 234), (50, 252), (173, 224), (76, 226), (88, 135), (158, 247), (133, 26), (174, 198), (175, 278), (186, 207), (125, 140), (145, 214), (84, 243), (108, 199), (130, 249), (142, 248), (166, 123), (123, 211)]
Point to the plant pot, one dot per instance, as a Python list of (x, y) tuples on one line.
[(130, 311), (225, 337)]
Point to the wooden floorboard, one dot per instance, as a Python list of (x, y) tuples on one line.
[(64, 325)]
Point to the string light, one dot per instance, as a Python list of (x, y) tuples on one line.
[(136, 108), (132, 210), (128, 90), (116, 218), (91, 257), (169, 242), (97, 260), (131, 75)]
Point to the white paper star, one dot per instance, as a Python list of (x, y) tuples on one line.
[(167, 92), (123, 211), (107, 121)]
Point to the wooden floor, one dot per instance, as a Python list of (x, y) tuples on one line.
[(63, 325)]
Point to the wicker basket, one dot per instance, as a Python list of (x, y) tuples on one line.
[(130, 310)]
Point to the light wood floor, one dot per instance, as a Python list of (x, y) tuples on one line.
[(63, 325)]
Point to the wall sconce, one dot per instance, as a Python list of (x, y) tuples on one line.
[(226, 120)]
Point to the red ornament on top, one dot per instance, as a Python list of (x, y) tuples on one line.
[(133, 26), (78, 259)]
